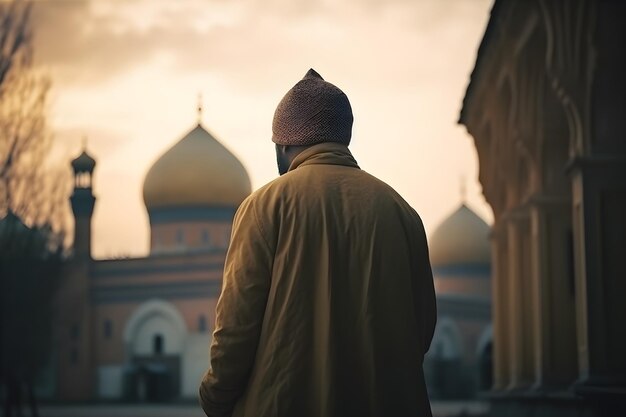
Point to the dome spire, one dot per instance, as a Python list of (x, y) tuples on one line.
[(84, 162), (199, 108), (463, 189)]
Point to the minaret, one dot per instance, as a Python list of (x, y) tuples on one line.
[(75, 318), (83, 201)]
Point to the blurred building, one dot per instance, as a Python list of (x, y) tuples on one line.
[(546, 106), (458, 364), (140, 328)]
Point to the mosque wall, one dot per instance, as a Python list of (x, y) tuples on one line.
[(193, 309), (109, 384), (150, 268), (135, 301), (171, 276), (110, 322), (73, 334), (129, 330), (182, 236), (168, 285), (467, 285), (195, 363)]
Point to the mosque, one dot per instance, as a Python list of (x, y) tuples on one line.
[(458, 364), (139, 329)]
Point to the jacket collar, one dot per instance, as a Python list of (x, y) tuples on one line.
[(325, 153)]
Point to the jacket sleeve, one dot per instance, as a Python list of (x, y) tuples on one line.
[(239, 315)]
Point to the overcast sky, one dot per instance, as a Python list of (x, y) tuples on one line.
[(127, 75)]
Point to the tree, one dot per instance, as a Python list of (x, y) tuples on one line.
[(28, 186), (15, 38), (33, 207), (30, 271)]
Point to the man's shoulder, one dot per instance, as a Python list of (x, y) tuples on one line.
[(288, 186), (266, 193), (384, 188)]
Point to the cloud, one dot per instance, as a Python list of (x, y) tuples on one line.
[(89, 42), (126, 73), (81, 46)]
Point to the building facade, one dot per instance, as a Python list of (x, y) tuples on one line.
[(546, 106), (139, 329)]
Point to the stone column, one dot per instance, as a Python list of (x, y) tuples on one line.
[(553, 289), (598, 172), (499, 254), (599, 218), (520, 301)]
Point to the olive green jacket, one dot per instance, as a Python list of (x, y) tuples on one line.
[(327, 304)]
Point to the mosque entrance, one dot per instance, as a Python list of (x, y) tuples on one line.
[(155, 377), (152, 379), (155, 336)]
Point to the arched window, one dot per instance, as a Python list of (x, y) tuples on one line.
[(180, 236), (205, 238), (157, 344)]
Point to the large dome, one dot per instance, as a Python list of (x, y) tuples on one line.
[(196, 171), (462, 239)]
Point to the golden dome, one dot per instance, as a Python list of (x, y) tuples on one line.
[(461, 239), (196, 171)]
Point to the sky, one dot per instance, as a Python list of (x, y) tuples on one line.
[(127, 75)]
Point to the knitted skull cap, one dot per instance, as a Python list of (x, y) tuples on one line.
[(313, 111)]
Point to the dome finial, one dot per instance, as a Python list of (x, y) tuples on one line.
[(463, 189), (199, 108), (84, 143)]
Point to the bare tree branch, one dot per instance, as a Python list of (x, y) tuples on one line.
[(15, 37), (28, 188)]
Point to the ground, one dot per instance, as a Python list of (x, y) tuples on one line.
[(440, 409)]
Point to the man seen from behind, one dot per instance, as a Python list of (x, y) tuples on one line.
[(327, 305)]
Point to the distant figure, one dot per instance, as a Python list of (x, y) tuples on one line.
[(327, 304)]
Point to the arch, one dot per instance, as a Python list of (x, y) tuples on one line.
[(447, 343), (150, 310), (486, 337), (445, 372), (484, 355)]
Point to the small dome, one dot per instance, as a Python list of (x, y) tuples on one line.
[(461, 239), (196, 171), (84, 163)]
